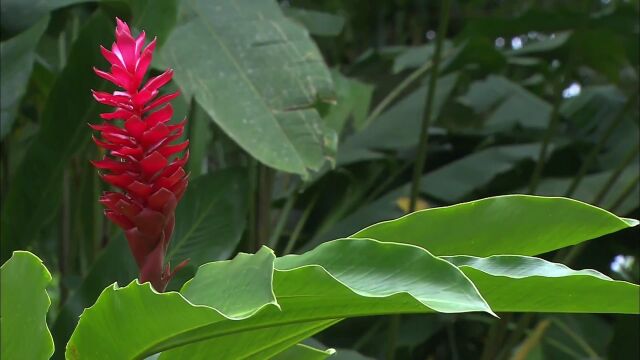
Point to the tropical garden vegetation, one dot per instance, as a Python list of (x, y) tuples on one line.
[(301, 179)]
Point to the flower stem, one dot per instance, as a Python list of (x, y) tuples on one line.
[(299, 226), (428, 110)]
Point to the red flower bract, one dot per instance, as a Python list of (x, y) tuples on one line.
[(140, 157)]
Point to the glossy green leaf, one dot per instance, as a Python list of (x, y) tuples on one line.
[(17, 56), (511, 224), (228, 309), (249, 54), (24, 306), (527, 284), (125, 313)]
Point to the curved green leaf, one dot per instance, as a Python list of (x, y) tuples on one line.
[(527, 284), (125, 322), (24, 306), (511, 224), (459, 179), (345, 278), (249, 54), (228, 309), (17, 55)]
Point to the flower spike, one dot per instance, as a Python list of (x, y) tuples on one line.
[(141, 159)]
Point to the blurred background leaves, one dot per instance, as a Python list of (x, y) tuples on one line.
[(304, 120)]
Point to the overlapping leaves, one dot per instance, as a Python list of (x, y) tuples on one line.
[(263, 305)]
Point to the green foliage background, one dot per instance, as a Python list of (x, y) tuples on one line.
[(301, 141)]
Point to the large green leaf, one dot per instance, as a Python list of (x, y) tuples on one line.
[(592, 184), (18, 15), (24, 306), (213, 204), (229, 308), (318, 288), (35, 192), (317, 22), (474, 51), (527, 284), (17, 56), (459, 179), (511, 224), (397, 127), (506, 104), (248, 54)]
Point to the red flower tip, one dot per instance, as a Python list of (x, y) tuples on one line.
[(141, 157)]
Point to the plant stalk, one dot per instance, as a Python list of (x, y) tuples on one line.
[(251, 242), (265, 188), (546, 141), (428, 111), (631, 155), (299, 226), (397, 91), (282, 219), (591, 157), (625, 193)]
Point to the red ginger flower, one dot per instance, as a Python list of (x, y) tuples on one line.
[(138, 159)]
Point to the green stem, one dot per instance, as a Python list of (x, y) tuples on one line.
[(568, 256), (625, 193), (497, 330), (65, 234), (392, 333), (299, 226), (631, 155), (362, 341), (591, 157), (253, 185), (512, 339), (591, 354), (398, 90), (551, 131), (265, 188), (282, 219), (451, 336), (387, 181), (428, 111)]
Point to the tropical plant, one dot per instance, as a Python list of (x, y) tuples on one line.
[(408, 130)]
